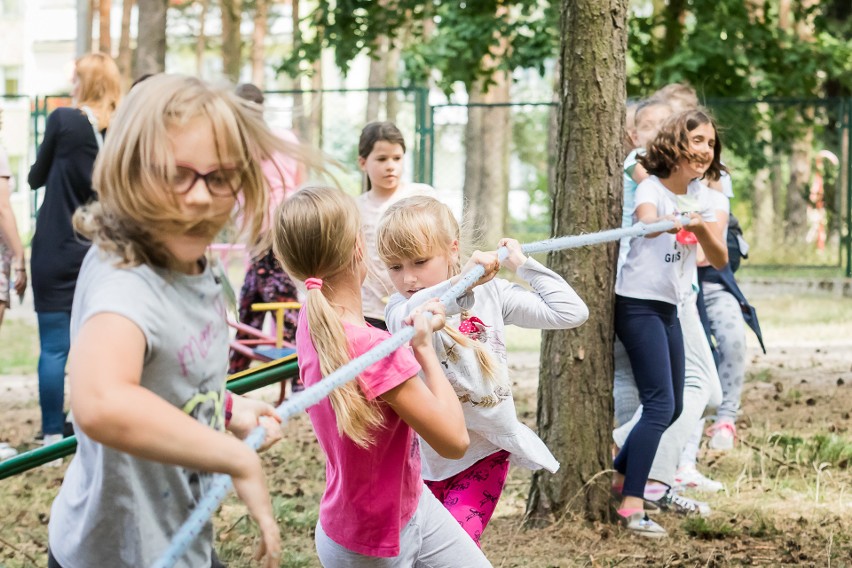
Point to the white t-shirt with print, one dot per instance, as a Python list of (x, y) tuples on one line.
[(661, 268)]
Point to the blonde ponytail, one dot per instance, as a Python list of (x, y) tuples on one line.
[(314, 236)]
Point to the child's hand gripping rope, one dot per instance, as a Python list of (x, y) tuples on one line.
[(480, 270)]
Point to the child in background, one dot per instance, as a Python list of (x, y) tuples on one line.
[(381, 150), (649, 287), (265, 280), (374, 511), (149, 339), (418, 240)]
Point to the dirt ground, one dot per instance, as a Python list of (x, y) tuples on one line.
[(787, 499)]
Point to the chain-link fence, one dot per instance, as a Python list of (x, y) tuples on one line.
[(789, 159)]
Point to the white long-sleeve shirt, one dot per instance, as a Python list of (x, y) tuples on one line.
[(488, 405)]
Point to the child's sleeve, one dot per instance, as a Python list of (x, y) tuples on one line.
[(399, 308), (552, 304), (708, 205), (646, 192), (388, 373)]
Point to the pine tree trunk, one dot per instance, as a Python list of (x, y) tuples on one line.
[(315, 123), (150, 54), (124, 53), (104, 34), (575, 411), (84, 27), (258, 38), (796, 226), (392, 80), (486, 171), (231, 39)]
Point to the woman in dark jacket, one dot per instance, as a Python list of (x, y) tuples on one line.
[(64, 165)]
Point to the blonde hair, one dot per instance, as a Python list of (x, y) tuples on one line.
[(315, 235), (99, 86), (136, 204), (420, 226), (679, 96)]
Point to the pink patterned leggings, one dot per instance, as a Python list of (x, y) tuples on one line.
[(471, 496)]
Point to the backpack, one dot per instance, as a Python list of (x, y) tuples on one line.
[(737, 245)]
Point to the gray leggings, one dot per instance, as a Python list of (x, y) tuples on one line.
[(728, 327), (431, 539)]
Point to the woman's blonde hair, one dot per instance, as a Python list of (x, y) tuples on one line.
[(136, 204), (418, 227), (99, 86), (316, 235)]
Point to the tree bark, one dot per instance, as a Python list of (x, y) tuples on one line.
[(392, 80), (104, 34), (258, 38), (84, 27), (150, 54), (124, 53), (231, 38), (486, 171), (377, 78), (799, 185), (201, 41), (575, 410), (315, 121)]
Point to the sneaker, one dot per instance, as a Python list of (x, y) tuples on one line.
[(676, 503), (50, 439), (640, 525), (7, 451), (688, 477), (722, 435)]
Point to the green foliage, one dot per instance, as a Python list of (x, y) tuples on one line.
[(458, 41), (726, 50), (708, 529), (821, 448)]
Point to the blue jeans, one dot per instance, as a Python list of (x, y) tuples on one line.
[(54, 334)]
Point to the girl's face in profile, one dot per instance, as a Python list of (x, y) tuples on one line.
[(702, 140), (206, 190)]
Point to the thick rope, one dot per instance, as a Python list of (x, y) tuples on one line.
[(314, 394)]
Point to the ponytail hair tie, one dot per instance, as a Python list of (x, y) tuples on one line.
[(313, 283)]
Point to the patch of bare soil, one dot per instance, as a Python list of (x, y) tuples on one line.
[(787, 498)]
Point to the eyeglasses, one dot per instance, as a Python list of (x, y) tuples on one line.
[(222, 182)]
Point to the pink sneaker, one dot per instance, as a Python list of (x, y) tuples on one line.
[(722, 435)]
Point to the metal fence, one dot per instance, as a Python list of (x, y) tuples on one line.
[(789, 159)]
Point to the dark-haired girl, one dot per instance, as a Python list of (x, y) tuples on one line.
[(659, 269)]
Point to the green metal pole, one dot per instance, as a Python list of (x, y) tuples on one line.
[(66, 447), (431, 145)]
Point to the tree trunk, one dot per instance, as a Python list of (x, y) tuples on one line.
[(377, 78), (575, 410), (392, 80), (104, 34), (84, 27), (258, 38), (300, 118), (124, 53), (315, 122), (151, 37), (486, 172), (201, 41), (231, 39), (798, 187)]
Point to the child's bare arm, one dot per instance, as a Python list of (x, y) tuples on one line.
[(430, 406)]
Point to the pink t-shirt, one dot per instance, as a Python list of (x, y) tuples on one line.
[(282, 172), (370, 494)]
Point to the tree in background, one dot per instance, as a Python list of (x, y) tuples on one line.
[(232, 41), (150, 55)]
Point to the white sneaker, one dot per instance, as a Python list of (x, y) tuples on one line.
[(722, 435), (688, 477), (7, 451), (677, 503), (639, 524), (50, 439)]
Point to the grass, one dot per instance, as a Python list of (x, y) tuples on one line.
[(20, 347)]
